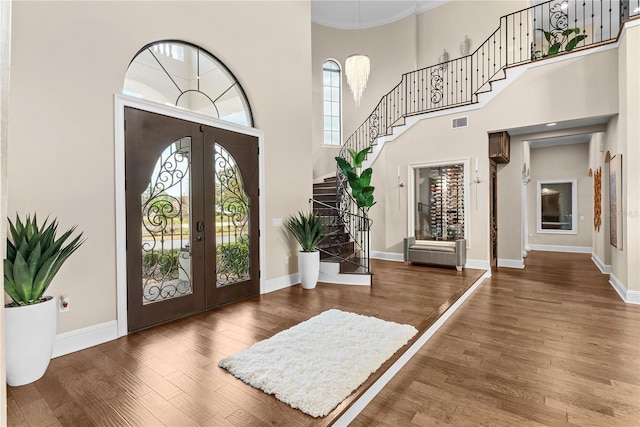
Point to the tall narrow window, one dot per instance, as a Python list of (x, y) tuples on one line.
[(331, 85)]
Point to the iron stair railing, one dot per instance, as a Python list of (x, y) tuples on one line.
[(519, 39), (346, 239)]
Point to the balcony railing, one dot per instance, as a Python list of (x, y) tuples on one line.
[(537, 32)]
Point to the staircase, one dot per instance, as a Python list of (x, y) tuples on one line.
[(522, 37), (341, 258)]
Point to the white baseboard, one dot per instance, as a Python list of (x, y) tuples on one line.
[(388, 256), (479, 263), (350, 414), (630, 297), (557, 248), (510, 263), (604, 269), (69, 342), (280, 283)]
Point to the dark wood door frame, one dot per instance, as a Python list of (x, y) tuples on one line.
[(120, 326), (493, 215)]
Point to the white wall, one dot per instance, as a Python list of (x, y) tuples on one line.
[(70, 59)]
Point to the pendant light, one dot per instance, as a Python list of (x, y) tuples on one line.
[(356, 68)]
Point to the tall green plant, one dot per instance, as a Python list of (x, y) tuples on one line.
[(566, 40), (307, 228), (34, 256), (361, 188)]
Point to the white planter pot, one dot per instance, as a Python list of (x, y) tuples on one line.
[(309, 268), (30, 332)]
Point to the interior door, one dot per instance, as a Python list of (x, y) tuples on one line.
[(192, 217)]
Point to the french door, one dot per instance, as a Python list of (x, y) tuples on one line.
[(192, 217)]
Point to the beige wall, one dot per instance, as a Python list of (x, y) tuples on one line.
[(600, 237), (392, 51), (445, 26), (528, 100), (627, 259), (70, 59), (562, 162), (5, 64)]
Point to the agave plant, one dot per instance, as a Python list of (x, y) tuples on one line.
[(34, 256), (307, 228)]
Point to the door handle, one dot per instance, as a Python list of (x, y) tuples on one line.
[(199, 226)]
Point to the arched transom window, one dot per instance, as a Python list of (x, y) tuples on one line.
[(187, 76)]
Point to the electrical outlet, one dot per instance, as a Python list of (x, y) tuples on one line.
[(286, 259), (63, 304)]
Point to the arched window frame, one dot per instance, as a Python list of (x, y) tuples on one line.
[(165, 47), (331, 103)]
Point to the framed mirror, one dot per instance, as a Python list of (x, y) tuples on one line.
[(557, 206)]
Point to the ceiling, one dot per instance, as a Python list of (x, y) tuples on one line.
[(349, 14)]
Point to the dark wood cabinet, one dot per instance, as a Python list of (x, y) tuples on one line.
[(499, 147)]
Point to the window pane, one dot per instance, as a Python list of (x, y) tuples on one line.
[(327, 108), (327, 93), (326, 78), (335, 94), (335, 123), (327, 122), (335, 109), (335, 79), (335, 138), (327, 138)]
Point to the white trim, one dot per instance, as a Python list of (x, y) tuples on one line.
[(411, 192), (354, 410), (604, 269), (69, 342), (558, 248), (511, 263), (480, 264), (633, 297), (122, 101), (282, 282), (388, 256), (630, 297), (574, 206), (330, 273)]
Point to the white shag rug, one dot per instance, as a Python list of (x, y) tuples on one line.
[(316, 364)]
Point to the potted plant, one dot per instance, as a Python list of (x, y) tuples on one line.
[(308, 230), (34, 256)]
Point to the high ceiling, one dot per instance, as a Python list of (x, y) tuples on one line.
[(349, 14)]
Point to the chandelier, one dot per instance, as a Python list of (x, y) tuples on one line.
[(357, 69)]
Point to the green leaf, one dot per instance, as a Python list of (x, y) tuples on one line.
[(365, 177), (547, 35), (22, 278), (344, 165), (554, 49), (574, 42), (359, 157)]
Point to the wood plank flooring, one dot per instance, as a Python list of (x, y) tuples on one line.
[(552, 344)]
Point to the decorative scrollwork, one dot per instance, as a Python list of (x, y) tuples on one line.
[(558, 18), (374, 127), (232, 221), (165, 262), (437, 84)]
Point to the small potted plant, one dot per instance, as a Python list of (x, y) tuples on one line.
[(308, 230), (34, 256)]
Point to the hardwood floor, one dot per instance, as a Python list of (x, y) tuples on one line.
[(552, 344), (549, 345)]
